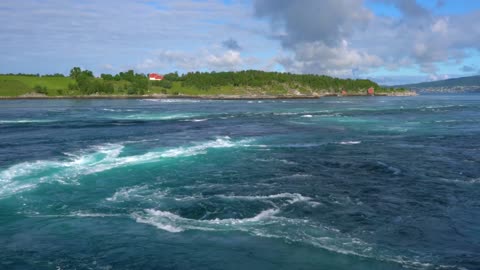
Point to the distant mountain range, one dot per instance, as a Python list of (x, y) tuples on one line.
[(456, 85)]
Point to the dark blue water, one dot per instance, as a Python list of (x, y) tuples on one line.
[(335, 183)]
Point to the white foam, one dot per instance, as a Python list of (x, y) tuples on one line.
[(458, 181), (117, 110), (350, 142), (474, 181), (307, 114), (284, 161), (89, 214), (451, 121), (292, 197), (171, 222), (286, 113), (125, 194), (339, 102), (172, 100), (27, 175), (156, 117), (296, 175), (197, 120), (25, 121)]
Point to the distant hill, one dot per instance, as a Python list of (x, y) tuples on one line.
[(456, 85)]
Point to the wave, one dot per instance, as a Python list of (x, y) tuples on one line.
[(339, 102), (135, 193), (143, 192), (302, 113), (292, 197), (27, 175), (442, 106), (284, 161), (90, 214), (294, 145), (173, 100), (350, 142), (196, 120), (471, 181), (25, 121), (79, 214), (117, 110), (174, 223), (156, 117)]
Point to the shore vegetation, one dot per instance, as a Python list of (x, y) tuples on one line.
[(246, 83)]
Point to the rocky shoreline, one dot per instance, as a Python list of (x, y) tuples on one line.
[(206, 97)]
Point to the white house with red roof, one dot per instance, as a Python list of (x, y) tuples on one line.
[(155, 77)]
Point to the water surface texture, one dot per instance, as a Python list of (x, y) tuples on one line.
[(334, 183)]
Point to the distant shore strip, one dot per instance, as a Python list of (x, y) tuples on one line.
[(206, 97)]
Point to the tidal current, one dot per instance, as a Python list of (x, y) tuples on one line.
[(333, 183)]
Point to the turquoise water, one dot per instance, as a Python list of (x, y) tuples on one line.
[(335, 183)]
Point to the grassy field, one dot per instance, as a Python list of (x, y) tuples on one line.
[(13, 85)]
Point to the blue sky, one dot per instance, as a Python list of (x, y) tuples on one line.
[(389, 41)]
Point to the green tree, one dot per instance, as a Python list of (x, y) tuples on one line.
[(107, 77), (75, 72)]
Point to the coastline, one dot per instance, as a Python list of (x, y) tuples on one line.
[(208, 97)]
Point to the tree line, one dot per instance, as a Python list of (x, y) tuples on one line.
[(130, 82), (255, 78), (204, 81), (88, 84)]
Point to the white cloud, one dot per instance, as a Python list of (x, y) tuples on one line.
[(315, 34), (230, 60), (316, 57), (213, 59), (68, 33), (440, 26)]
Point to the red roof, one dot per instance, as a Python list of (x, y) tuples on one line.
[(155, 76)]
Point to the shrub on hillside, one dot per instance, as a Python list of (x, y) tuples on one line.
[(40, 89)]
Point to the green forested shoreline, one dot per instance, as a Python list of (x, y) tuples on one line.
[(242, 83)]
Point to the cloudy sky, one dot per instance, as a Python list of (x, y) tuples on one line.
[(389, 41)]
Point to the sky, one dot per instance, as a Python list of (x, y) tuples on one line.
[(389, 41)]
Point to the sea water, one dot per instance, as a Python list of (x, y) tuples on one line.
[(333, 183)]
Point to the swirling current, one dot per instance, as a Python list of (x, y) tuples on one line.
[(332, 183)]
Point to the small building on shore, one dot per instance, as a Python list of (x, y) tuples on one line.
[(371, 91), (155, 77)]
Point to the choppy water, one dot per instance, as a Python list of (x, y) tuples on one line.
[(336, 183)]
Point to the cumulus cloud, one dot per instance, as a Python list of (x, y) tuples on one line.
[(328, 21), (204, 59), (343, 37), (317, 33), (317, 57)]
